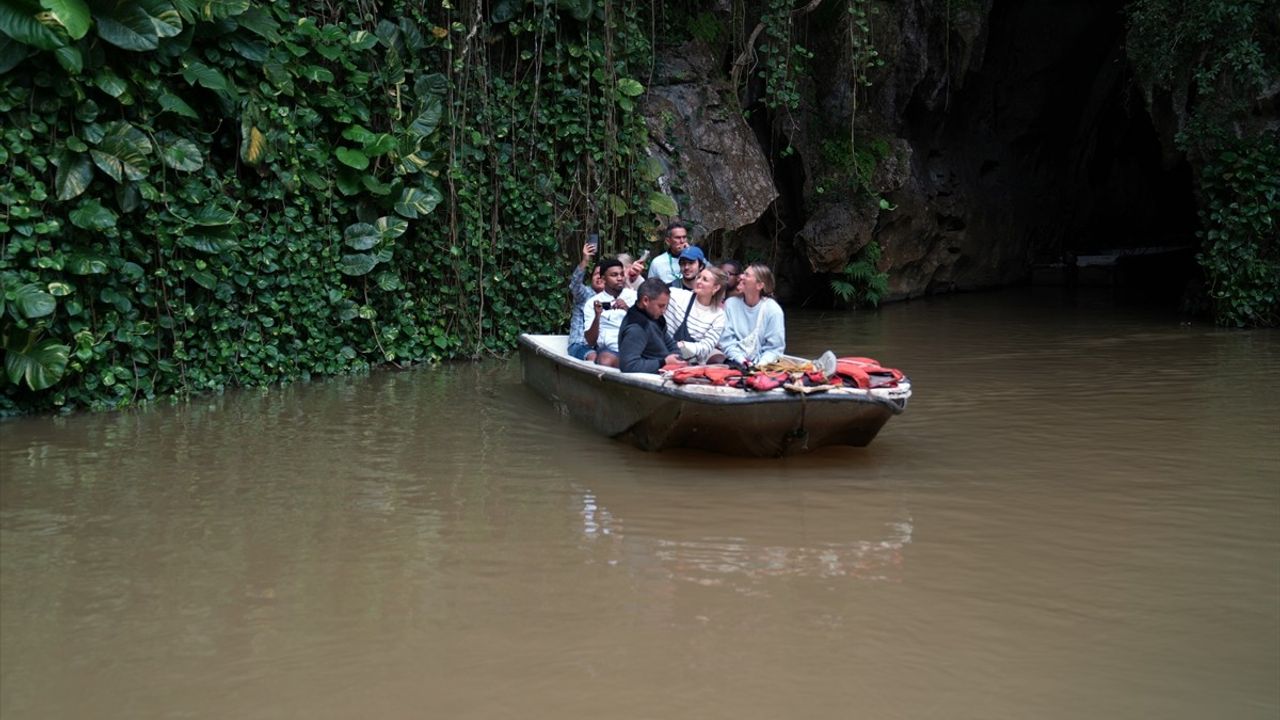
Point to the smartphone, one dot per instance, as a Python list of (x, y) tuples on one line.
[(594, 240)]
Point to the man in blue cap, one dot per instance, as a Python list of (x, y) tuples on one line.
[(692, 261)]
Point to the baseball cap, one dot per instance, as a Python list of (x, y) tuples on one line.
[(694, 253)]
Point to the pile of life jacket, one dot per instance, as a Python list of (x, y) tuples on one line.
[(855, 372)]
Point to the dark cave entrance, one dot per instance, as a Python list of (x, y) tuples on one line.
[(1049, 138)]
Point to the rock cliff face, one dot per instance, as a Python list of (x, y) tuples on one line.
[(713, 166), (995, 135)]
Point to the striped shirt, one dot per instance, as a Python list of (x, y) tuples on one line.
[(706, 322)]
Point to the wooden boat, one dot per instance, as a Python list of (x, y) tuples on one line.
[(653, 413)]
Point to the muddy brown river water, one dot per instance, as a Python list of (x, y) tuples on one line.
[(1077, 517)]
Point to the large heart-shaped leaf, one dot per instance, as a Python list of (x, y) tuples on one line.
[(361, 236), (18, 21), (174, 104), (73, 15), (41, 364), (92, 215), (416, 202), (213, 242), (630, 88), (357, 264), (126, 25), (197, 73), (391, 227), (122, 152), (662, 204), (253, 143), (180, 153), (32, 302), (352, 158), (212, 216), (203, 278), (70, 59), (74, 174), (86, 265), (259, 21), (429, 119), (12, 52), (379, 144), (165, 18)]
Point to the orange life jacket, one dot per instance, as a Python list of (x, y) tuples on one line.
[(866, 373), (705, 375)]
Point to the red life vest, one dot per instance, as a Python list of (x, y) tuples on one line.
[(866, 373)]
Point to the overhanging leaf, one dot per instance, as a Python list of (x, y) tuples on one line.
[(662, 205), (379, 144), (92, 215), (388, 281), (74, 174), (12, 52), (651, 169), (357, 264), (126, 25), (214, 242), (390, 227), (73, 15), (174, 104), (213, 216), (361, 236), (630, 88), (253, 146), (70, 59), (32, 302), (362, 40), (18, 21), (122, 151), (352, 158), (203, 278), (86, 265), (179, 153), (429, 119), (417, 202), (197, 73), (41, 364)]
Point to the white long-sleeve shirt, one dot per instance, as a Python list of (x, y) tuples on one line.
[(741, 320)]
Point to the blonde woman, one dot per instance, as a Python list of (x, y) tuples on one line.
[(754, 330), (695, 319)]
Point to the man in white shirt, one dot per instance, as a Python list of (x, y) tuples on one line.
[(602, 314), (667, 265)]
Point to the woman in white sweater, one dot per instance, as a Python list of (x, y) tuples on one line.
[(754, 330), (696, 319)]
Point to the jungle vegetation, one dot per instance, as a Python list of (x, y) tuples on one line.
[(199, 195)]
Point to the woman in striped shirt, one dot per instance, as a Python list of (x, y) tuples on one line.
[(696, 319)]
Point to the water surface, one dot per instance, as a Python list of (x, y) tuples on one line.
[(1077, 517)]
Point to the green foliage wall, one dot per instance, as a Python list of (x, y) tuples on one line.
[(1212, 62), (197, 195)]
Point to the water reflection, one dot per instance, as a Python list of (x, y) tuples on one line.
[(818, 536)]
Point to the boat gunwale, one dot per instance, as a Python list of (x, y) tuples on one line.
[(663, 386)]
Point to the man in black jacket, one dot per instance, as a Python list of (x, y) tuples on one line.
[(643, 343)]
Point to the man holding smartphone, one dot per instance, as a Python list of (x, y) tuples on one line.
[(603, 314)]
